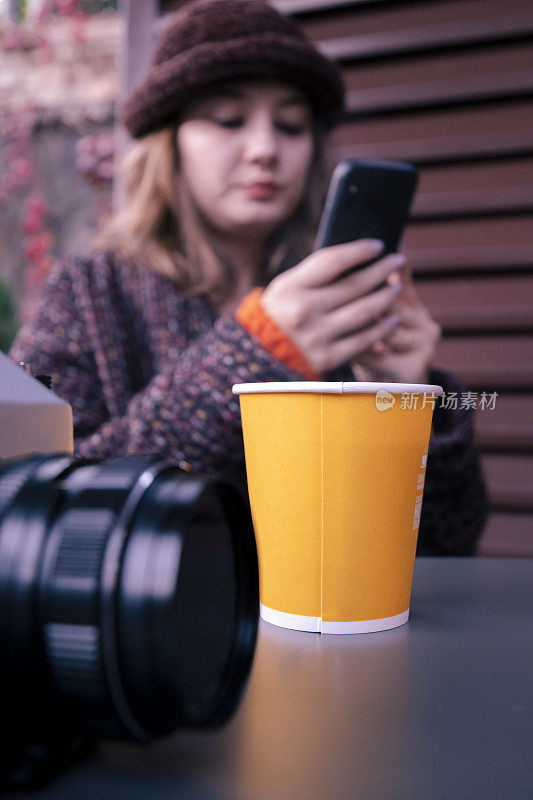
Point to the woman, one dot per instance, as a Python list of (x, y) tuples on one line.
[(223, 189)]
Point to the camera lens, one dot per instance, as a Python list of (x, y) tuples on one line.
[(128, 598)]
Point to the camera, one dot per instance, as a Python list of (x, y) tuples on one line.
[(128, 605)]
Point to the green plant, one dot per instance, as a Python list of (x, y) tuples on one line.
[(8, 317)]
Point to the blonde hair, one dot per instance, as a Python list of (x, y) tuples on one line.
[(159, 227)]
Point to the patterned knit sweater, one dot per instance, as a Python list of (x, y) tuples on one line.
[(149, 371)]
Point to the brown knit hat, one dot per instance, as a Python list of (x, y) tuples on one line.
[(212, 41)]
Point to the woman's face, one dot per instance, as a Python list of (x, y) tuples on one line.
[(244, 154)]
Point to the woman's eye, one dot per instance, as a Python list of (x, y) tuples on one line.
[(228, 122), (291, 128)]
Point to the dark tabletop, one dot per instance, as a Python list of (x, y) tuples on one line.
[(439, 708)]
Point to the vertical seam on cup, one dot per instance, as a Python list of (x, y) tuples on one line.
[(321, 512)]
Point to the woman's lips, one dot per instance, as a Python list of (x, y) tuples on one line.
[(261, 191)]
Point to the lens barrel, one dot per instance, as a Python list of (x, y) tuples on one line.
[(128, 598)]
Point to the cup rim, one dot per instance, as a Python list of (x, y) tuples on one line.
[(335, 387)]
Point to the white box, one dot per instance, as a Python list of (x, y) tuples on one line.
[(32, 418)]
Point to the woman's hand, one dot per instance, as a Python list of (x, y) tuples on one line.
[(334, 316), (403, 356)]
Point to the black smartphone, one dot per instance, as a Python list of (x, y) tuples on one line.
[(367, 200)]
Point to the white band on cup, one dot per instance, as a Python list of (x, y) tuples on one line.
[(335, 387), (298, 622)]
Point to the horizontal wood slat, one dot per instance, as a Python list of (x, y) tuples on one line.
[(507, 535), (397, 11), (430, 80), (290, 6), (509, 318), (508, 437), (470, 243), (303, 6), (510, 481), (357, 34), (496, 130), (293, 7), (488, 362), (477, 292), (509, 425), (475, 188), (480, 303), (386, 43)]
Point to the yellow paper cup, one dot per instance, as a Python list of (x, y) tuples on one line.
[(335, 475)]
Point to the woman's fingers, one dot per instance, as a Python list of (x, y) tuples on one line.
[(366, 280), (360, 313), (328, 264), (410, 296), (333, 312), (360, 283), (416, 329), (346, 350), (402, 341)]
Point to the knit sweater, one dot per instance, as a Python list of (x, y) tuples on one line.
[(148, 370)]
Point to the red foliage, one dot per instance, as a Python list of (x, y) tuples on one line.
[(18, 173), (94, 157)]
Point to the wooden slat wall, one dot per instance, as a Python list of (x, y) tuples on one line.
[(448, 85)]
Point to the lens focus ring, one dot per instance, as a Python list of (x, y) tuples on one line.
[(81, 566), (72, 631)]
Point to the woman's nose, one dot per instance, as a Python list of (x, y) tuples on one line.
[(261, 142)]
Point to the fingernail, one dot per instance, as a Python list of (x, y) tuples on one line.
[(394, 319), (396, 287), (398, 260), (377, 245)]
